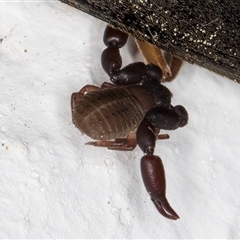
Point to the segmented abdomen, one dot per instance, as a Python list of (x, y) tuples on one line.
[(109, 114)]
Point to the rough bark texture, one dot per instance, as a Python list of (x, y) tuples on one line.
[(206, 33)]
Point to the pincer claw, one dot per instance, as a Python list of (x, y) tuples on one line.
[(154, 180), (165, 209)]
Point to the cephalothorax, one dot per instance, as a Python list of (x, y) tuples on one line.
[(130, 113)]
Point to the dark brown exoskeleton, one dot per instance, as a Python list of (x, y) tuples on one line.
[(205, 33), (130, 112)]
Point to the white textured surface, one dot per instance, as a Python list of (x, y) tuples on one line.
[(53, 186)]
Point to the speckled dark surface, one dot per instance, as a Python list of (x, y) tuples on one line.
[(205, 33)]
